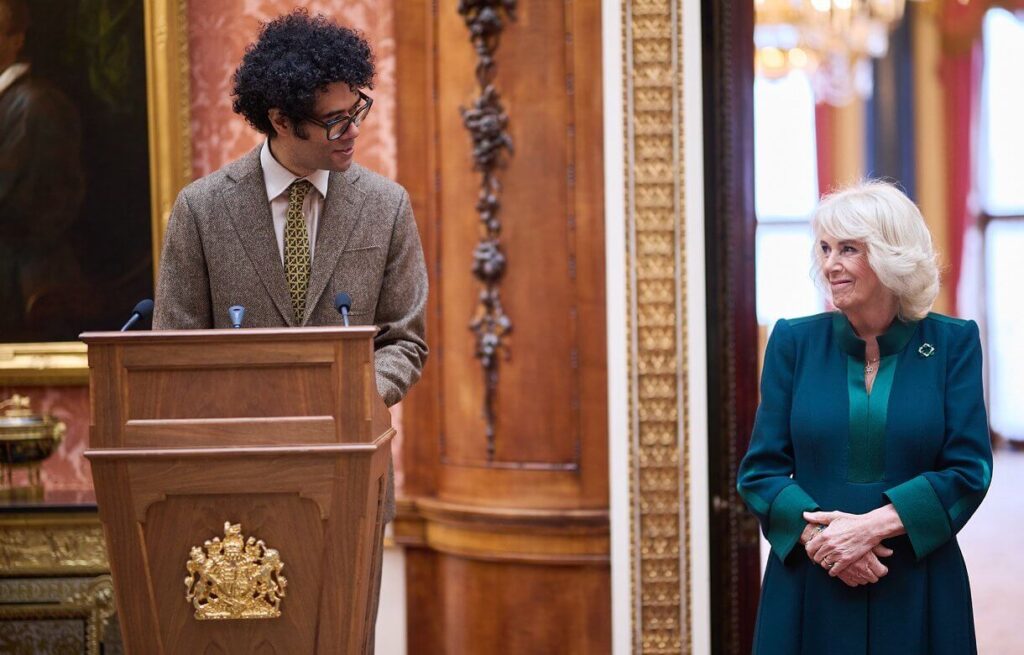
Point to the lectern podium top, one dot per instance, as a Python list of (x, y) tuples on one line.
[(234, 387), (230, 335)]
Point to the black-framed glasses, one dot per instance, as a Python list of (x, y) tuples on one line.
[(336, 127)]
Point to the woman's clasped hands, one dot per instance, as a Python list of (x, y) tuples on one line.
[(848, 546)]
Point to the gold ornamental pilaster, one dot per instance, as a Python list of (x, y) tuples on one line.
[(659, 475)]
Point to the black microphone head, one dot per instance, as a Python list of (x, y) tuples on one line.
[(144, 308), (343, 300), (142, 311)]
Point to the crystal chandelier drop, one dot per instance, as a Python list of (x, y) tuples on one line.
[(833, 40)]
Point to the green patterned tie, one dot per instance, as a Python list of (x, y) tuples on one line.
[(296, 248)]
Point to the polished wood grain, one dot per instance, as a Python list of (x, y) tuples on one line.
[(537, 511), (536, 609), (281, 431), (255, 430), (515, 535), (552, 397)]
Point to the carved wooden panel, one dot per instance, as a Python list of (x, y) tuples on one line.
[(548, 397)]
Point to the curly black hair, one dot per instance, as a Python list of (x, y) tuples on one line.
[(296, 57)]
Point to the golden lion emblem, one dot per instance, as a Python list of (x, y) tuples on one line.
[(236, 578)]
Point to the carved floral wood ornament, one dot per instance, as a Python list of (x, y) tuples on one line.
[(487, 123)]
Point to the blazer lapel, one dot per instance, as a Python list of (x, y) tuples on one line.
[(342, 208), (250, 215)]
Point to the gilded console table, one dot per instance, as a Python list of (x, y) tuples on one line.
[(55, 590)]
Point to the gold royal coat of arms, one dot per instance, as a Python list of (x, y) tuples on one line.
[(236, 578)]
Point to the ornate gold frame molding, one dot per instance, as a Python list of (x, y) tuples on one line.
[(170, 168), (27, 601), (43, 363), (167, 92), (52, 545), (657, 325)]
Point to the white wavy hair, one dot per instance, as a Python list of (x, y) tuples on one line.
[(899, 246)]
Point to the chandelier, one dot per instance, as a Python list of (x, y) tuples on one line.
[(834, 41)]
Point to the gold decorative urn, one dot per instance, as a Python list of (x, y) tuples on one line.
[(26, 439)]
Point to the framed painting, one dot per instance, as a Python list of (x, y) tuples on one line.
[(88, 173)]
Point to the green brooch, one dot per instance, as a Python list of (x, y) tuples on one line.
[(926, 350)]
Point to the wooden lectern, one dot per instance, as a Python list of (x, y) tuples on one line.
[(240, 477)]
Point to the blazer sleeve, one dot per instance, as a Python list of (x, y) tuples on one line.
[(400, 345), (765, 478), (183, 287), (937, 504)]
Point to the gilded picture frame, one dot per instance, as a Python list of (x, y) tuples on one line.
[(169, 152)]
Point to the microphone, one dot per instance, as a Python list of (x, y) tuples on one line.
[(142, 310), (343, 303), (237, 313)]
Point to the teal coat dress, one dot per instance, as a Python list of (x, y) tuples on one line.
[(919, 440)]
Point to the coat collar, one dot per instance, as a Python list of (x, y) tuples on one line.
[(250, 213), (894, 339)]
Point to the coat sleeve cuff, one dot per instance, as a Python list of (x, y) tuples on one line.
[(388, 391), (786, 519), (924, 518)]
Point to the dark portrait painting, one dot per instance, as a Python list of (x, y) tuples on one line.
[(75, 228)]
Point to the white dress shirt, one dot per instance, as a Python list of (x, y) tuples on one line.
[(11, 75), (278, 179)]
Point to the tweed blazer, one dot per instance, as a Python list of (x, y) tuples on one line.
[(220, 250)]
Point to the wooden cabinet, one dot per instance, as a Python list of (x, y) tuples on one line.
[(56, 595)]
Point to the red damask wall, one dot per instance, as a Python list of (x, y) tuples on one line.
[(218, 33)]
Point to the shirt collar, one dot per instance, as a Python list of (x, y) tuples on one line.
[(892, 341), (278, 178), (11, 75)]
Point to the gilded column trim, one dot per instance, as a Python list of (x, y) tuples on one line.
[(656, 326), (683, 345)]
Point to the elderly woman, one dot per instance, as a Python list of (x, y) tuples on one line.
[(871, 447)]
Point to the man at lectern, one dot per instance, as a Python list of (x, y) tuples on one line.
[(295, 222)]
